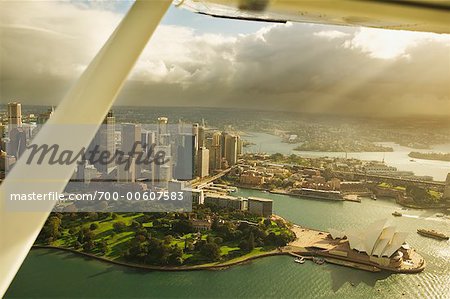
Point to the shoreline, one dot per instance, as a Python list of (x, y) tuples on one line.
[(218, 266)]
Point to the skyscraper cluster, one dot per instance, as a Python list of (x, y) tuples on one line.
[(190, 150), (13, 138)]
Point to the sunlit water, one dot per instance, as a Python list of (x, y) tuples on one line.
[(398, 158), (52, 274), (47, 273)]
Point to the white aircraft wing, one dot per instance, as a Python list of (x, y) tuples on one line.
[(414, 15)]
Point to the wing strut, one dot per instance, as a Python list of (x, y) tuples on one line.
[(83, 109)]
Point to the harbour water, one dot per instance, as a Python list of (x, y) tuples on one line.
[(51, 274), (398, 158), (47, 273)]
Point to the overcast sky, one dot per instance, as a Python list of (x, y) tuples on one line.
[(195, 60)]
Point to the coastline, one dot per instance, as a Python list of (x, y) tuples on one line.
[(210, 266)]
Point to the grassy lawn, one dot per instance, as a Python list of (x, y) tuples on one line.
[(117, 243), (224, 250)]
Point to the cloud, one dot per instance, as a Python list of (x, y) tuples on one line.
[(390, 44), (296, 67), (331, 34)]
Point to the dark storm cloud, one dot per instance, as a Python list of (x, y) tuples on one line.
[(306, 68)]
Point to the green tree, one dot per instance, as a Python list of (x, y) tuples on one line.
[(183, 226), (88, 246), (211, 251), (251, 242), (52, 228), (93, 226), (176, 257), (243, 245), (168, 239), (119, 226)]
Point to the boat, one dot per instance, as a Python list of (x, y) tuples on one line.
[(397, 214), (439, 215), (317, 194), (412, 160), (373, 196), (318, 260), (299, 260), (432, 234)]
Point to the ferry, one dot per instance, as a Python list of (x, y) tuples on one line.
[(397, 214), (432, 234), (317, 194)]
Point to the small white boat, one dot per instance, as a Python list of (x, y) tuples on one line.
[(299, 260), (397, 214)]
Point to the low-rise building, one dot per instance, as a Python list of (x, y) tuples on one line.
[(201, 225), (260, 206), (226, 201), (251, 178)]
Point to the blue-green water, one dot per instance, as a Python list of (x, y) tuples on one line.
[(56, 274)]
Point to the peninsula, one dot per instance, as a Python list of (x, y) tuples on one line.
[(430, 156)]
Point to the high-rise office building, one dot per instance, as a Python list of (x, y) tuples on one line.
[(230, 148), (131, 143), (203, 162), (15, 114), (195, 130), (201, 137), (162, 170), (131, 139), (104, 140), (127, 173), (184, 169), (165, 176), (17, 141), (148, 138), (162, 134), (215, 151), (239, 145)]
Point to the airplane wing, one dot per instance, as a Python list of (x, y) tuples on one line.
[(94, 93), (413, 15)]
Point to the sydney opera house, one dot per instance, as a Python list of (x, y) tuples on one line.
[(379, 244)]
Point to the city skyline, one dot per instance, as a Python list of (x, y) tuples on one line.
[(331, 69)]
